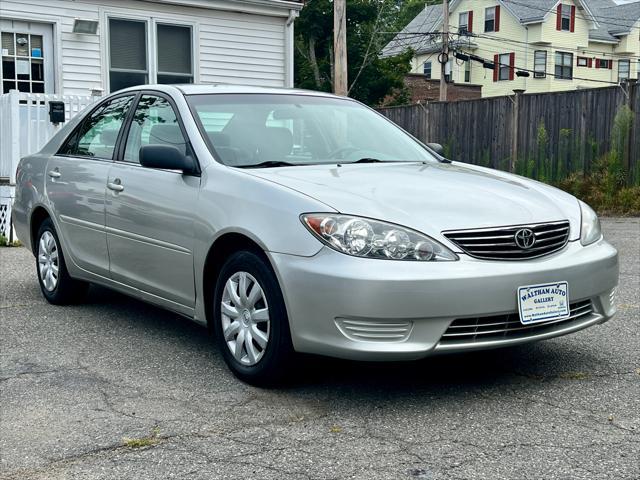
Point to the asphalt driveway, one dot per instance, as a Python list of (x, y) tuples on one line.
[(117, 389)]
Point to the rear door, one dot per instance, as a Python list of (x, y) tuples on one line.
[(76, 180), (150, 213)]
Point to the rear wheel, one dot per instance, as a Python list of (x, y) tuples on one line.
[(56, 284), (251, 324)]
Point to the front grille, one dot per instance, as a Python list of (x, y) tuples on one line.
[(500, 327), (500, 243), (375, 331)]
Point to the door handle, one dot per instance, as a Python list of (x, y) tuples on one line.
[(116, 185), (54, 173)]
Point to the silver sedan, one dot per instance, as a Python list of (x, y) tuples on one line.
[(291, 221)]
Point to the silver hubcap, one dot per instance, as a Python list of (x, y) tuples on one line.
[(48, 261), (245, 318)]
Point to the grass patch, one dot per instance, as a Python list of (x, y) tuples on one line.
[(148, 441), (4, 242)]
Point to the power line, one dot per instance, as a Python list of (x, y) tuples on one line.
[(535, 47), (498, 65), (584, 51)]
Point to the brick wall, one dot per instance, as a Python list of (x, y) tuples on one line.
[(423, 90)]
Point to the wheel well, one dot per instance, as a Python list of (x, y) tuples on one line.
[(38, 216), (221, 249)]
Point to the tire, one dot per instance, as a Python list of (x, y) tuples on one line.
[(57, 286), (266, 357)]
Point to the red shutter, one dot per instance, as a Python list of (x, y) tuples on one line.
[(497, 20), (590, 63), (559, 17), (512, 65), (573, 18), (597, 63), (496, 67), (470, 26), (610, 64)]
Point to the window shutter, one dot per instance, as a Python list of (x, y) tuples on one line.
[(573, 18), (496, 67), (597, 63), (497, 19), (559, 17), (512, 65), (610, 64), (590, 63), (470, 26)]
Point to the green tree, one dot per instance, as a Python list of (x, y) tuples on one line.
[(370, 26)]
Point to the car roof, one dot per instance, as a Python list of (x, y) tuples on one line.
[(219, 88)]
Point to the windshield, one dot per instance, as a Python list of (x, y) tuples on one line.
[(260, 130)]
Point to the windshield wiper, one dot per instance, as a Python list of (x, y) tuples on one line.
[(371, 160), (269, 164)]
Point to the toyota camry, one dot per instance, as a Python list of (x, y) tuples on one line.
[(290, 221)]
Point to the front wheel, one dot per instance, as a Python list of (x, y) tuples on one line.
[(251, 324), (56, 284)]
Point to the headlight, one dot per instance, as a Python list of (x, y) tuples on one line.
[(590, 231), (363, 237)]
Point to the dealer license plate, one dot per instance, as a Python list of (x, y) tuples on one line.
[(543, 303)]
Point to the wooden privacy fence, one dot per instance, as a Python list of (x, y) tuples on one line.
[(545, 135)]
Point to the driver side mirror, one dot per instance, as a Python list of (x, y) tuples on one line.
[(166, 157), (436, 147)]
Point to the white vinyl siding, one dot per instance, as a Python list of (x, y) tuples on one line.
[(228, 46)]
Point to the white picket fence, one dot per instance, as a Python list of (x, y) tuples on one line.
[(24, 129)]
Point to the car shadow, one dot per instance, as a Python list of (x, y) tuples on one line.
[(500, 368)]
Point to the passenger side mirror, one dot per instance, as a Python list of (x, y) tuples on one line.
[(166, 157), (436, 147)]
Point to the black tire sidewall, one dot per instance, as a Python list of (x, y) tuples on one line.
[(67, 289), (274, 364)]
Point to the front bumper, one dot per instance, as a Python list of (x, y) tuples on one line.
[(367, 309)]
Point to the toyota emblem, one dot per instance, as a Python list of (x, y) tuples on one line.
[(525, 238)]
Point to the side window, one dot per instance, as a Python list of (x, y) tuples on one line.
[(154, 123), (98, 133)]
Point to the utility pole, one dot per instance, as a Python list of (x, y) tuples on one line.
[(444, 56), (340, 85)]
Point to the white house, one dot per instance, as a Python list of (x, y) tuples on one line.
[(80, 47), (76, 50)]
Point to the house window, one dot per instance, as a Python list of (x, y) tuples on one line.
[(566, 17), (174, 54), (540, 64), (22, 62), (564, 65), (505, 67), (426, 69), (128, 53), (467, 71), (463, 23), (583, 62), (490, 19), (624, 69), (603, 63)]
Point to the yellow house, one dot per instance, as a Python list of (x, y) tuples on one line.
[(532, 45)]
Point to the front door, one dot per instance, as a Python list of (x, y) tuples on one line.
[(27, 56), (76, 182), (150, 212)]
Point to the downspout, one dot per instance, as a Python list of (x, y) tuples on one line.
[(288, 45)]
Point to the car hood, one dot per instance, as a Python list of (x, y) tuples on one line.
[(432, 197)]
